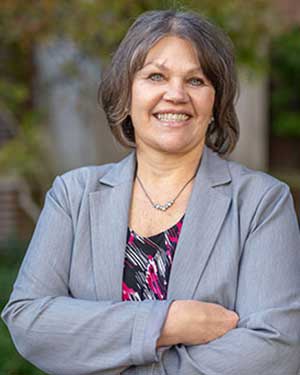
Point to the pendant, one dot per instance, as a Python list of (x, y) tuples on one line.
[(163, 207)]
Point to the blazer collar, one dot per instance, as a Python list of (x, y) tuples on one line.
[(109, 211), (121, 172), (213, 170)]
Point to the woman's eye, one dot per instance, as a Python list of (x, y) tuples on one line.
[(196, 81), (156, 76)]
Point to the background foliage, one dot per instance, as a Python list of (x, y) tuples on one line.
[(285, 78)]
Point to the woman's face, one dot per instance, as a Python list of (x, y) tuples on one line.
[(172, 101)]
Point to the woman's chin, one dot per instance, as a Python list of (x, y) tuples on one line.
[(171, 142), (175, 146)]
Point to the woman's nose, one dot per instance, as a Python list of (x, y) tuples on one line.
[(176, 92)]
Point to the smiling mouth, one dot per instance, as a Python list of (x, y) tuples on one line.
[(172, 118)]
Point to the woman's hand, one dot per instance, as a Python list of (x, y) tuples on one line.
[(191, 322)]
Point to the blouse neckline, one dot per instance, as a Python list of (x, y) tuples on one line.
[(157, 234)]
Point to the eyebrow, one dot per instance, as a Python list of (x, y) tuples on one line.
[(163, 67)]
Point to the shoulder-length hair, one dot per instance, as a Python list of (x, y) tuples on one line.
[(216, 56)]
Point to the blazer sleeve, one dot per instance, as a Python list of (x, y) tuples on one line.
[(63, 335), (267, 339)]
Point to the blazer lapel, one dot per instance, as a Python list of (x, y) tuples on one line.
[(109, 209), (205, 214)]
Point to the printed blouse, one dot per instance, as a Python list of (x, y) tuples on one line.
[(147, 264)]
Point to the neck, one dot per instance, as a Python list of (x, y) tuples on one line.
[(166, 169)]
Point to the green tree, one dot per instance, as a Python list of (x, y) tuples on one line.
[(285, 78)]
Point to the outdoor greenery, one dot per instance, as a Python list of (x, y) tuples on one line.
[(285, 78)]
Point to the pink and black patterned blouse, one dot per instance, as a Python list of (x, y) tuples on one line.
[(147, 264)]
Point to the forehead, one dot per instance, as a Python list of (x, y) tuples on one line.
[(172, 49)]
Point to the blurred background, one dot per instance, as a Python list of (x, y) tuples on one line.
[(51, 56)]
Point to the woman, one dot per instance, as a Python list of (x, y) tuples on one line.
[(145, 266)]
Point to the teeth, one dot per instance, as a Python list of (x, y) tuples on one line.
[(172, 116)]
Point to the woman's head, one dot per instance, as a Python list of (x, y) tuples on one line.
[(215, 54)]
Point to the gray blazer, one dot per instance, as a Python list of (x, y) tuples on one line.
[(239, 247)]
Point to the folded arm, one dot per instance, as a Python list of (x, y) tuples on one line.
[(267, 339)]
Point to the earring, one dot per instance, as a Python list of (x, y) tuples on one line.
[(212, 119)]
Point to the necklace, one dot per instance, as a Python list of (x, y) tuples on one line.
[(167, 205)]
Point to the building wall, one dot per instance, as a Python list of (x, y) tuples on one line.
[(252, 110), (289, 10)]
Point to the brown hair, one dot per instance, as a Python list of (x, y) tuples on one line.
[(216, 56)]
